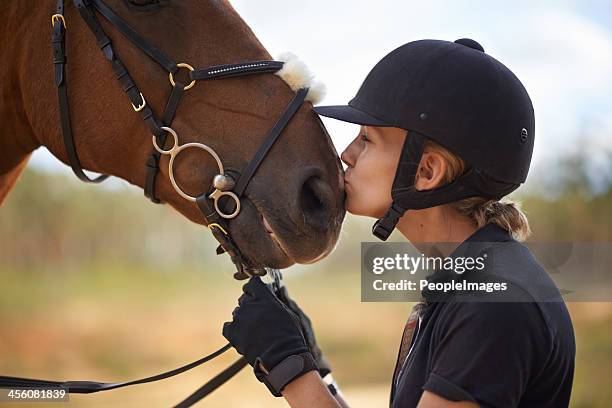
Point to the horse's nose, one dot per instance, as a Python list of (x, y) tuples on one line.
[(316, 200)]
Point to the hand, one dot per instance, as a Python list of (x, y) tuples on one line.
[(269, 336), (307, 330)]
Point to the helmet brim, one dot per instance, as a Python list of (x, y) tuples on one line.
[(347, 113)]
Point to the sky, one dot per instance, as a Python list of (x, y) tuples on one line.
[(560, 50)]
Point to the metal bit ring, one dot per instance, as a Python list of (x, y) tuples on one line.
[(175, 150), (216, 196)]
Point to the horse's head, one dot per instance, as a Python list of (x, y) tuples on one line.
[(292, 209)]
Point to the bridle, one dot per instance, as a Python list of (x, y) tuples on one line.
[(224, 186)]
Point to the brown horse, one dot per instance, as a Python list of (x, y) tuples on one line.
[(298, 189)]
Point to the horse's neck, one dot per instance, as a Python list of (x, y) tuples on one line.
[(21, 24), (22, 47)]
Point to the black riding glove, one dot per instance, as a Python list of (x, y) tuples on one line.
[(307, 330), (269, 337)]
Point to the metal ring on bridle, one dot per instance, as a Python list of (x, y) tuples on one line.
[(182, 65), (216, 194), (171, 150)]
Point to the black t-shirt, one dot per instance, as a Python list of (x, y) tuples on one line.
[(473, 347)]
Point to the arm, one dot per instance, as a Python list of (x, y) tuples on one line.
[(309, 390), (431, 400)]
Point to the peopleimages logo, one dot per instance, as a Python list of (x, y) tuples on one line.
[(403, 272), (411, 264)]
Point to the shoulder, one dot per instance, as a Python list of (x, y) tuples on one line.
[(481, 310), (515, 263), (512, 323)]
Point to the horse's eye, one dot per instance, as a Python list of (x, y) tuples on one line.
[(145, 4), (142, 2)]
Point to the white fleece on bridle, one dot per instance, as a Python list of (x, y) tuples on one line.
[(297, 75)]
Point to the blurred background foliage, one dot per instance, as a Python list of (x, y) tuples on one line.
[(99, 284)]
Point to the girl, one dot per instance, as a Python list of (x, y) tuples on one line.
[(446, 132)]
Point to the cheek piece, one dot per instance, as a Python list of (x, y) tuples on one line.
[(471, 183)]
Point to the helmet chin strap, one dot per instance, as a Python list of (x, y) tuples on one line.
[(472, 183)]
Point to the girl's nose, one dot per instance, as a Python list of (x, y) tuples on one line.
[(345, 158), (349, 155)]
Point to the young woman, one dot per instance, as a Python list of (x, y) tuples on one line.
[(446, 132)]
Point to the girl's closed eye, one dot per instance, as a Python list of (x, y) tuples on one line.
[(364, 135)]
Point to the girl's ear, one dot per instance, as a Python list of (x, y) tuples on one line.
[(431, 172)]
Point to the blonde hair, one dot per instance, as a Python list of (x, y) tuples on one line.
[(504, 213)]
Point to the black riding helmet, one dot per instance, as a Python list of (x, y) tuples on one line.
[(458, 96)]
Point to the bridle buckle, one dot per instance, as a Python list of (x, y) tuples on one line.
[(58, 17), (218, 226), (141, 106)]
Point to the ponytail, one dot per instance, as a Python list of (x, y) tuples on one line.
[(504, 213)]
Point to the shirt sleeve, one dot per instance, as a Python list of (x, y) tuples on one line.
[(486, 352)]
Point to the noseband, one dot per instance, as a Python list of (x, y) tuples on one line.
[(224, 185)]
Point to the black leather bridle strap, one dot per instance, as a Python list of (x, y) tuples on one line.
[(127, 31), (152, 164), (59, 59), (233, 70), (88, 387), (59, 49), (121, 73), (136, 98), (213, 384), (265, 147), (172, 104)]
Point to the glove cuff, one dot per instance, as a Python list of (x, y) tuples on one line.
[(284, 372)]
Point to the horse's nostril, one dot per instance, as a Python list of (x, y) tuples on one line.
[(310, 199), (314, 201)]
